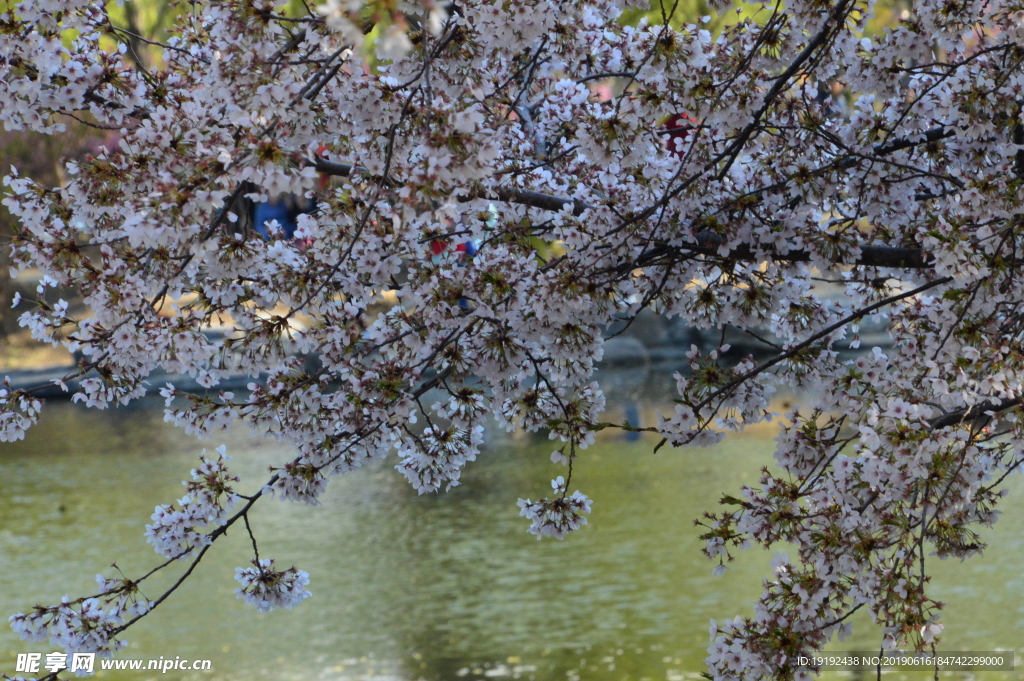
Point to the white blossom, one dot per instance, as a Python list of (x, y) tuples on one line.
[(515, 181), (267, 589)]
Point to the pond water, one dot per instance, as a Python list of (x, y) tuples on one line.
[(433, 587)]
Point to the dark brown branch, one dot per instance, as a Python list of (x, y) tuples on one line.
[(978, 412), (824, 333), (706, 243), (933, 135), (834, 21)]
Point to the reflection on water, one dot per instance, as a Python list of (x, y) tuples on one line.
[(431, 587)]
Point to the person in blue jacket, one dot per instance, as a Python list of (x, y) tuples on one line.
[(285, 208)]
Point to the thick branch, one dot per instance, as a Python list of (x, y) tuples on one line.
[(979, 412), (706, 242), (824, 333)]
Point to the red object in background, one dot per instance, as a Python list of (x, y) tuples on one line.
[(678, 128), (439, 246), (324, 178)]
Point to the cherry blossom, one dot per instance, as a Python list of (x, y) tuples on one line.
[(788, 176), (266, 589)]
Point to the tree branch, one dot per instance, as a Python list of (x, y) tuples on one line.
[(706, 243)]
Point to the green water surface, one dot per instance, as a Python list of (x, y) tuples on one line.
[(431, 587)]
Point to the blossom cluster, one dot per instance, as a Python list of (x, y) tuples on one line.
[(267, 589), (176, 530), (558, 516), (18, 412), (88, 625)]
